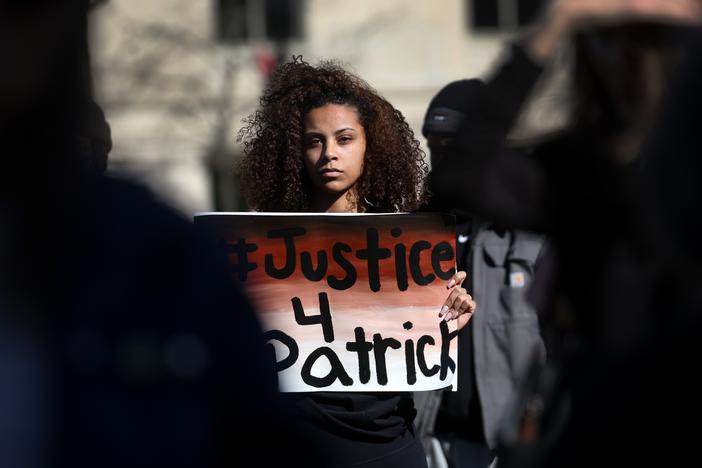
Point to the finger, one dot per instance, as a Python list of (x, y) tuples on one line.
[(457, 279), (454, 295), (456, 292), (462, 304), (450, 315)]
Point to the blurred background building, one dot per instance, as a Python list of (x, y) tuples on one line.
[(176, 77)]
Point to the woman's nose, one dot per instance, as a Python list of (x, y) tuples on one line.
[(330, 151)]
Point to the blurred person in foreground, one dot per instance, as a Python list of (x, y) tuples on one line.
[(584, 187), (122, 340)]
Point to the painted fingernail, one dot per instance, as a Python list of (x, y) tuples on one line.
[(444, 309), (451, 283)]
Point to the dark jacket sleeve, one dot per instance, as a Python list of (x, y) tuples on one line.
[(480, 174)]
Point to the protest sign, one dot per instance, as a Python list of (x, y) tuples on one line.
[(348, 301)]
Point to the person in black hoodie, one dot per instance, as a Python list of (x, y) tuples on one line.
[(499, 345)]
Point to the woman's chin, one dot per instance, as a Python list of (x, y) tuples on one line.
[(333, 188)]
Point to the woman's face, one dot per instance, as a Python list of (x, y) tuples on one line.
[(334, 145)]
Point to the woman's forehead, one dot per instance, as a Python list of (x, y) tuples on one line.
[(333, 115)]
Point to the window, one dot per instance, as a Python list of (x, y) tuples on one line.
[(484, 14), (244, 20), (283, 19), (501, 15), (231, 21)]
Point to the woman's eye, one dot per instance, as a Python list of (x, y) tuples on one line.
[(345, 139), (314, 142)]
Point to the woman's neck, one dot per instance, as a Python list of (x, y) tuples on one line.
[(334, 204)]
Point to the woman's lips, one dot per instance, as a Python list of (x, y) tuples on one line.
[(330, 173)]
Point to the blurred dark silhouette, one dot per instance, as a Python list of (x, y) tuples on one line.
[(501, 343), (637, 407), (587, 176), (619, 386), (122, 339)]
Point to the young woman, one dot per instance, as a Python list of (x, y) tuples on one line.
[(324, 141)]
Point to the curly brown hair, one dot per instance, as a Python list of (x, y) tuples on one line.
[(272, 170)]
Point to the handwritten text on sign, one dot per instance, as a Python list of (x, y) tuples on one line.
[(349, 302)]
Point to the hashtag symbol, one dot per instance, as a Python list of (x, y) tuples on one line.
[(242, 266)]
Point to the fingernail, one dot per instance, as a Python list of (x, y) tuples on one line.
[(447, 317), (451, 283), (444, 309)]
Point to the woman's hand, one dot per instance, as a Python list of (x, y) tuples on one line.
[(459, 304)]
